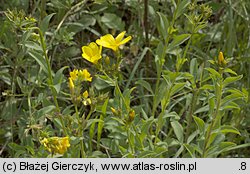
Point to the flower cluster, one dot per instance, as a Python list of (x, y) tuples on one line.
[(56, 145), (75, 83), (92, 52)]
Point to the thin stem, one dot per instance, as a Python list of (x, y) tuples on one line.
[(191, 111), (118, 89), (50, 80), (161, 65), (80, 131), (214, 119), (129, 140)]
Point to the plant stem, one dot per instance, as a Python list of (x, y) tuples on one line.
[(50, 80), (129, 140), (191, 111), (215, 117), (80, 132)]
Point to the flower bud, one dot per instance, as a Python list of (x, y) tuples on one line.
[(114, 111), (131, 115), (71, 85), (107, 60), (85, 94), (221, 60)]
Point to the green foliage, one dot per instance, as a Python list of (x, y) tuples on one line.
[(165, 93)]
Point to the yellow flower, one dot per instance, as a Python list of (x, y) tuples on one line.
[(84, 75), (71, 84), (109, 41), (92, 52), (221, 60), (74, 74), (56, 144)]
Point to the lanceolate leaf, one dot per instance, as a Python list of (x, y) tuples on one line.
[(178, 130)]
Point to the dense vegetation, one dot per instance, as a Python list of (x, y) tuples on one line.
[(125, 78)]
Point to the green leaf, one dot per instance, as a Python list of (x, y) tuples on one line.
[(91, 133), (229, 129), (57, 81), (178, 153), (101, 124), (127, 95), (228, 70), (213, 72), (32, 45), (181, 7), (207, 87), (102, 82), (162, 25), (225, 146), (194, 68), (177, 87), (230, 98), (214, 151), (229, 80), (200, 124), (90, 122), (160, 55), (112, 21), (84, 23), (45, 110), (178, 130), (202, 109), (178, 40), (145, 84), (190, 149), (45, 22), (40, 60), (238, 147)]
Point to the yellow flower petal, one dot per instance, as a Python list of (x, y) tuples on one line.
[(92, 52), (120, 37), (109, 41), (125, 40)]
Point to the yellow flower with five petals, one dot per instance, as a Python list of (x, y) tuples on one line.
[(109, 41), (92, 52)]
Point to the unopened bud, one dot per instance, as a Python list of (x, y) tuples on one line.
[(85, 94), (107, 60), (71, 85), (221, 60), (114, 111), (131, 115)]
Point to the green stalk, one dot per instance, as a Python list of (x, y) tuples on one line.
[(129, 140), (50, 80), (215, 118), (80, 132), (161, 66), (118, 88), (191, 111)]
